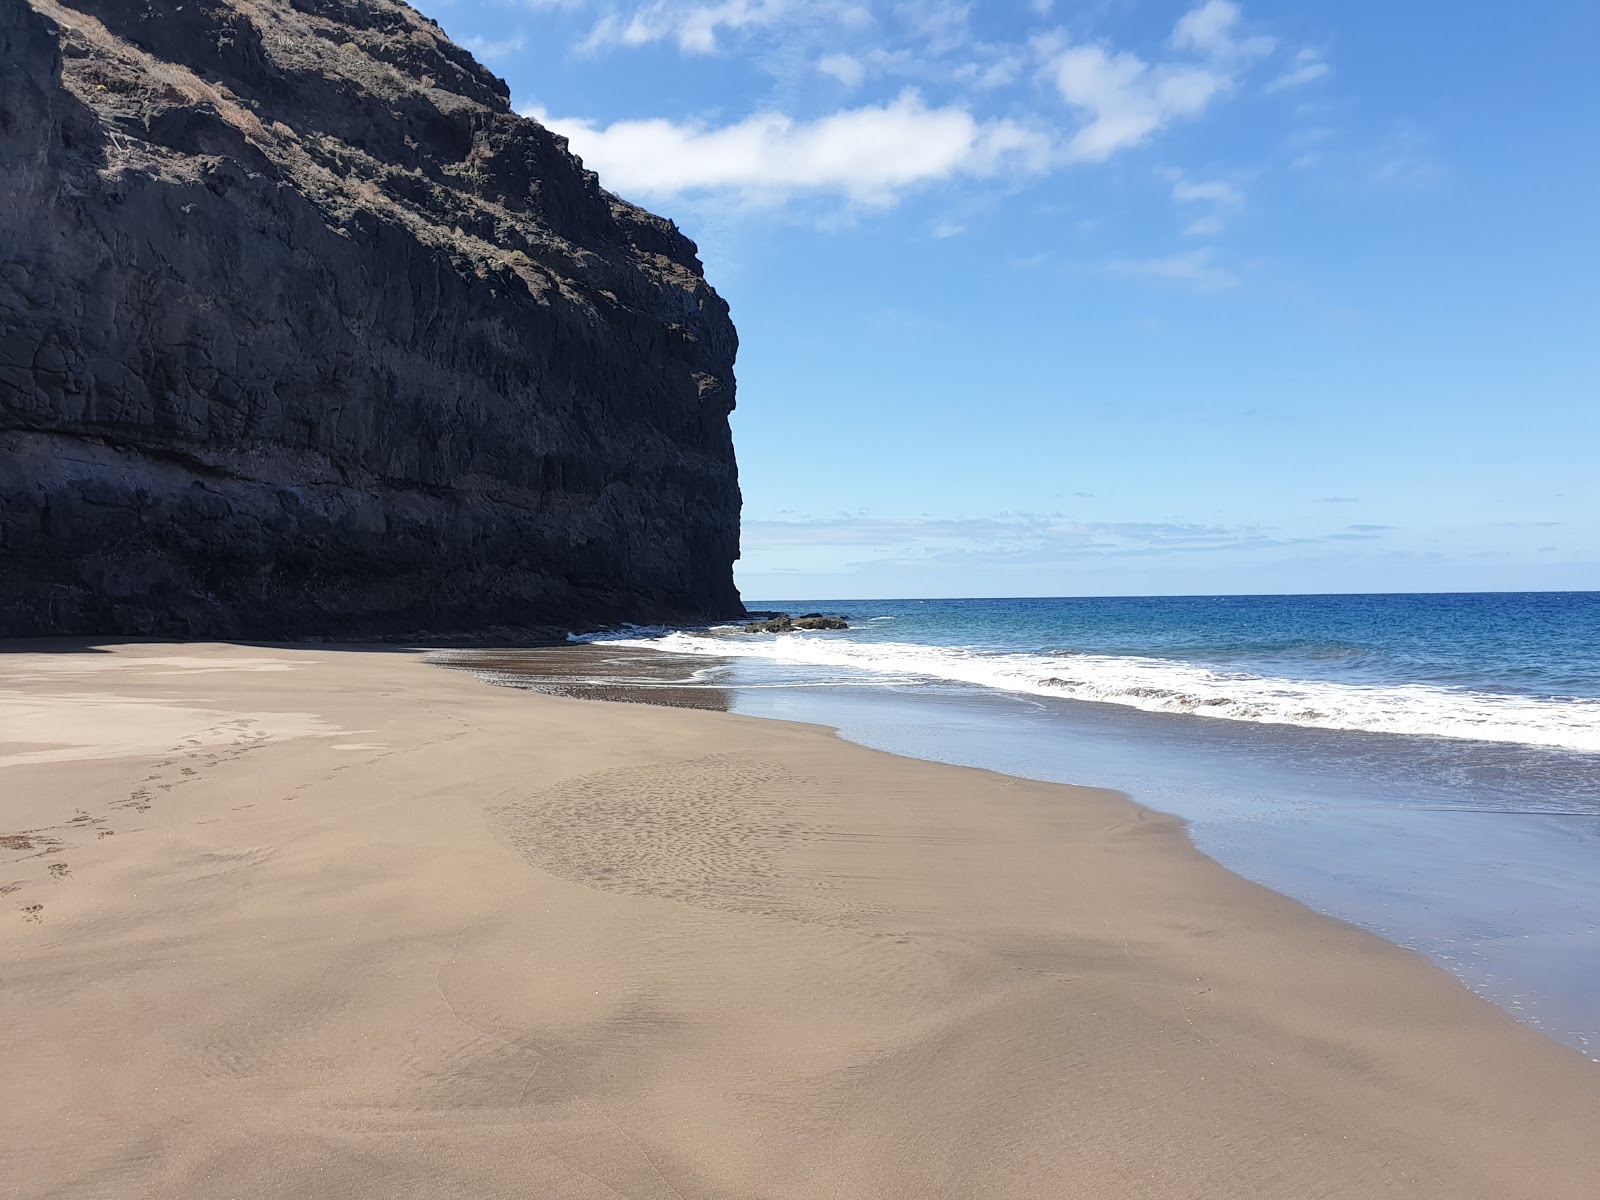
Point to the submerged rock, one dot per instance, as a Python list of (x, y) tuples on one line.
[(304, 332)]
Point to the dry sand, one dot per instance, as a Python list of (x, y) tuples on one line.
[(342, 924)]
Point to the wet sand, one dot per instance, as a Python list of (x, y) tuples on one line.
[(286, 922)]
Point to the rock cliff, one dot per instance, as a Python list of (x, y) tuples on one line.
[(303, 331)]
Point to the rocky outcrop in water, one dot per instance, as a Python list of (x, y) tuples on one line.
[(783, 623), (304, 332)]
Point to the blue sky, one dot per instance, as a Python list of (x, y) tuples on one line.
[(1121, 296)]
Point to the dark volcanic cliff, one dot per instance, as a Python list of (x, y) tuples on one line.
[(303, 331)]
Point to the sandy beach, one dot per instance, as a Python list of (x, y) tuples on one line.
[(312, 923)]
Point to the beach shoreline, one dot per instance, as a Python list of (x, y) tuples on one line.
[(1478, 855), (289, 921)]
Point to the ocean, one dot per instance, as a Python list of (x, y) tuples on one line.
[(1425, 766)]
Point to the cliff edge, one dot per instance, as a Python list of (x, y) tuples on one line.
[(303, 332)]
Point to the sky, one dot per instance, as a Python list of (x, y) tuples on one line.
[(1121, 297)]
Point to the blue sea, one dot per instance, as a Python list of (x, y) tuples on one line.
[(1426, 766)]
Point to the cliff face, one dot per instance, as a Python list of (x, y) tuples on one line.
[(303, 331)]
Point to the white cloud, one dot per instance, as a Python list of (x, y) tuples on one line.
[(1208, 30), (694, 27), (871, 154), (1193, 269), (1127, 99), (1307, 67), (846, 69)]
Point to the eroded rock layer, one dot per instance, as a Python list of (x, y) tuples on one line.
[(303, 331)]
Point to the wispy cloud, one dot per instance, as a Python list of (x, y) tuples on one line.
[(846, 68), (1307, 67), (871, 154), (942, 25), (495, 49), (853, 543), (1400, 162), (1216, 199), (1196, 270), (1403, 163), (1209, 191), (693, 27)]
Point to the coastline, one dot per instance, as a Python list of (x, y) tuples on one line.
[(335, 923)]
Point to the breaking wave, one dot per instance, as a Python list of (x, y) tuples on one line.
[(1166, 686)]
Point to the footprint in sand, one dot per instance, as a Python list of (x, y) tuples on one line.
[(28, 840), (33, 912), (7, 888), (59, 870), (139, 799), (82, 821)]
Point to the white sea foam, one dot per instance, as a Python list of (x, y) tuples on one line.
[(1159, 685)]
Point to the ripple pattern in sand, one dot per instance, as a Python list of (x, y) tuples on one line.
[(708, 831)]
